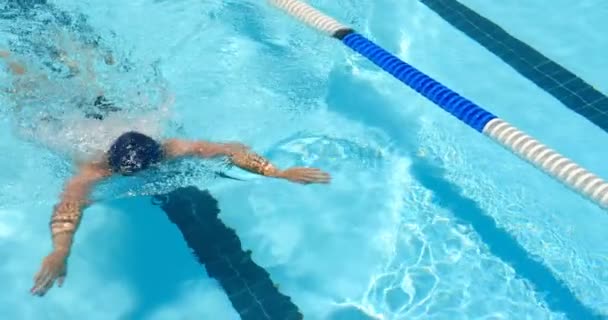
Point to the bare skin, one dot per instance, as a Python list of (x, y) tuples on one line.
[(13, 66), (86, 75), (67, 213)]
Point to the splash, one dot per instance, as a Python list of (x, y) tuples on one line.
[(163, 179), (77, 95)]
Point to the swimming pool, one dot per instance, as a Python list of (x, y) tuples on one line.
[(424, 219)]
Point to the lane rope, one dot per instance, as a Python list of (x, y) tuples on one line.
[(518, 142)]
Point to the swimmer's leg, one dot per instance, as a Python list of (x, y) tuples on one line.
[(78, 57), (69, 46), (18, 70), (15, 67), (26, 79)]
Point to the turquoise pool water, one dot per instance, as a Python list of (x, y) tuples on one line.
[(425, 218)]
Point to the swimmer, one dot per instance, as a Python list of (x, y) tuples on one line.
[(131, 153), (33, 82), (105, 155)]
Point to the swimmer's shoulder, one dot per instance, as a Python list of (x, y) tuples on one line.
[(96, 167), (173, 147)]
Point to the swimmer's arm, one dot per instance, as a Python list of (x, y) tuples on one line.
[(242, 157), (67, 214), (239, 154)]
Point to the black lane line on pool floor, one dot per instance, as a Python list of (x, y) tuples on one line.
[(562, 84), (558, 297), (248, 286)]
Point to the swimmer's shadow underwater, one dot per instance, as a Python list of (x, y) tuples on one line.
[(218, 248)]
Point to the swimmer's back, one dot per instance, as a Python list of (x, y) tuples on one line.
[(83, 139)]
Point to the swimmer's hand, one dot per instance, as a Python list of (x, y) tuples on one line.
[(304, 175), (54, 267), (241, 154)]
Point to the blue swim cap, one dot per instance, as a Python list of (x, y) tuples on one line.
[(132, 152)]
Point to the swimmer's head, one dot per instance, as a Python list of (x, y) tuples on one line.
[(133, 152)]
